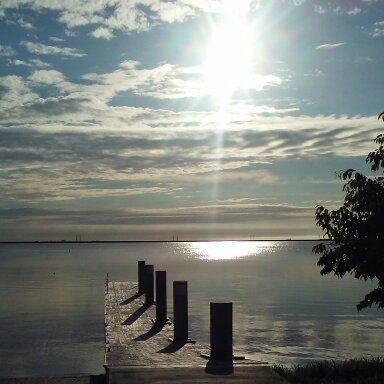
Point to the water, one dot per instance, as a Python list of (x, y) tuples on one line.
[(52, 302)]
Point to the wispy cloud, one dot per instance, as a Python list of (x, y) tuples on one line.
[(364, 59), (218, 215), (319, 9), (32, 63), (21, 62), (6, 51), (14, 19), (56, 39), (39, 63), (351, 8), (330, 45), (25, 24), (355, 11), (42, 49), (378, 29)]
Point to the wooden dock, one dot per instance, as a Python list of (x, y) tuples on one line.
[(140, 351)]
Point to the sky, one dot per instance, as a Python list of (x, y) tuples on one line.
[(191, 119)]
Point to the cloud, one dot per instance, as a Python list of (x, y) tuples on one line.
[(74, 144), (224, 213), (378, 30), (259, 82), (25, 24), (6, 51), (13, 19), (16, 93), (170, 13), (351, 7), (32, 63), (78, 16), (47, 77), (330, 45), (56, 39), (319, 9), (355, 11), (39, 63), (74, 147), (316, 73), (166, 81), (364, 60), (80, 152), (102, 33), (224, 176), (41, 49), (21, 62)]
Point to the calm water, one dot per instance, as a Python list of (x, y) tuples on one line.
[(52, 302)]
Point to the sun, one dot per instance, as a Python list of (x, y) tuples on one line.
[(228, 65)]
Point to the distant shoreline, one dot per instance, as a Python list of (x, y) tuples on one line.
[(148, 241)]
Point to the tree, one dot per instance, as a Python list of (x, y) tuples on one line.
[(356, 229)]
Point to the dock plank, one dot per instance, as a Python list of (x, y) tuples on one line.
[(133, 339), (139, 351)]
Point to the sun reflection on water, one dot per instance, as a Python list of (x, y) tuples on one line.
[(227, 250)]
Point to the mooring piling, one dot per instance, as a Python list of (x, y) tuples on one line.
[(161, 297), (149, 284), (141, 276), (221, 331), (180, 311)]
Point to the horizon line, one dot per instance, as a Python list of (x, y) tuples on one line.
[(146, 241)]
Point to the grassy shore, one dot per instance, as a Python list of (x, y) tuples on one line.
[(355, 371)]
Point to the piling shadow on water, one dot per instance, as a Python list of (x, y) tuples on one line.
[(135, 315)]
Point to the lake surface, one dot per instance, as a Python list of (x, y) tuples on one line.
[(52, 301)]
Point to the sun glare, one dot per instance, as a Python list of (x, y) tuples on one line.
[(226, 250), (228, 66)]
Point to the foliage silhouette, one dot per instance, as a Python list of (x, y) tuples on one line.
[(356, 229)]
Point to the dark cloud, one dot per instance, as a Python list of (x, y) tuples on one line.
[(220, 214)]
